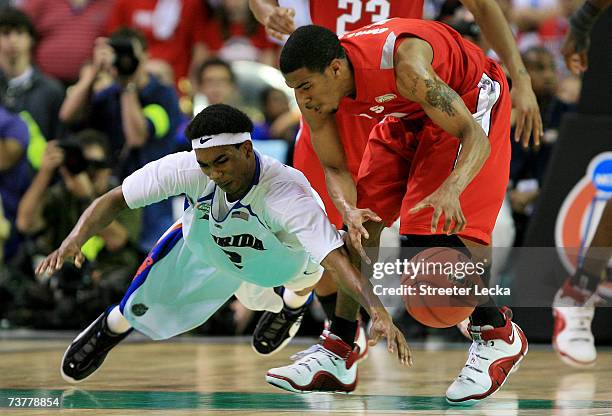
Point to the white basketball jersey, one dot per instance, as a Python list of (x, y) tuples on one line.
[(275, 232)]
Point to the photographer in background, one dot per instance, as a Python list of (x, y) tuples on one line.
[(137, 112), (48, 212)]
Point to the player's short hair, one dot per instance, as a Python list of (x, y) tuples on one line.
[(217, 119), (311, 47), (14, 19)]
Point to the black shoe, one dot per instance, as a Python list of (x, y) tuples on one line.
[(275, 330), (88, 350)]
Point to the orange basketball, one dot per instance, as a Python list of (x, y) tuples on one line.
[(441, 289)]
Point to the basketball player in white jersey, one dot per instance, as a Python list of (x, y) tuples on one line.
[(251, 224)]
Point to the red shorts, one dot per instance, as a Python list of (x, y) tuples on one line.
[(404, 162), (354, 133)]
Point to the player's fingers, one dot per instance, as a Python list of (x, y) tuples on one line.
[(390, 342), (456, 224), (463, 221), (372, 216), (419, 207), (447, 223), (275, 34), (79, 259), (59, 261), (526, 136), (518, 129), (403, 352), (435, 218), (538, 130), (42, 266), (373, 337), (364, 233)]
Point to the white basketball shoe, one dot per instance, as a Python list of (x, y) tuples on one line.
[(573, 311), (331, 367), (493, 355)]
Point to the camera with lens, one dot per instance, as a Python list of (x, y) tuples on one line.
[(126, 61), (74, 159)]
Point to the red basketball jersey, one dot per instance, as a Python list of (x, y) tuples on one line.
[(342, 16), (458, 62)]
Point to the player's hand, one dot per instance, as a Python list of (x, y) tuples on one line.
[(528, 118), (54, 261), (574, 50), (383, 327), (444, 201), (354, 220), (280, 22)]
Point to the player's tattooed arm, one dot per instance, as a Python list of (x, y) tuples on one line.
[(441, 96)]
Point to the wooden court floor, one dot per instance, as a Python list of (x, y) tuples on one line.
[(195, 377)]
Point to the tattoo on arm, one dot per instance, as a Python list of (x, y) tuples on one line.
[(441, 96)]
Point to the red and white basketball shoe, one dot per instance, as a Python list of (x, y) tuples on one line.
[(573, 311), (361, 341), (493, 355), (332, 367)]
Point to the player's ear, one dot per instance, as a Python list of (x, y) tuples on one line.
[(247, 148), (336, 67)]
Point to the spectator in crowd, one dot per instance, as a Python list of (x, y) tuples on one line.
[(15, 173), (216, 82), (528, 166), (280, 123), (66, 29), (234, 34), (174, 30), (48, 212), (24, 89), (137, 112)]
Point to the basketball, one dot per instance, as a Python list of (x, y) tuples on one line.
[(441, 290)]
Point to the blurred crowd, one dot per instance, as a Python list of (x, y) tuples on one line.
[(91, 90)]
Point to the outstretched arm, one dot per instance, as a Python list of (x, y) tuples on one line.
[(361, 290), (495, 28), (418, 82)]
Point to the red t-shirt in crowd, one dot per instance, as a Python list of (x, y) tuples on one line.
[(66, 34), (176, 49)]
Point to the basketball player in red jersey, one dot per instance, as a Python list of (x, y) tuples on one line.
[(444, 121), (280, 18)]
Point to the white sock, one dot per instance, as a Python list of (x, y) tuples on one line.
[(116, 322), (293, 300)]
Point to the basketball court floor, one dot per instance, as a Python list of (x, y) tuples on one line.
[(190, 376)]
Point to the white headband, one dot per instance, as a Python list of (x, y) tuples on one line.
[(222, 139)]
